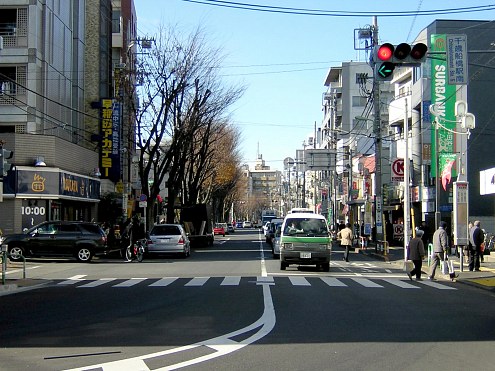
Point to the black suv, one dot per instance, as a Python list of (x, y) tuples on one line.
[(81, 240)]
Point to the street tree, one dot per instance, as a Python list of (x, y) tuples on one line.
[(182, 103)]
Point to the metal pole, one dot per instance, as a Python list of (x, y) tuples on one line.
[(407, 207), (377, 130), (437, 179)]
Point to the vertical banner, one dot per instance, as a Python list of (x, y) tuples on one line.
[(110, 139), (443, 96), (461, 207)]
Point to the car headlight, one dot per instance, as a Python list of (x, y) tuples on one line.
[(287, 246)]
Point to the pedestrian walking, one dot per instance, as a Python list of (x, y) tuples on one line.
[(440, 248), (416, 253), (426, 233), (345, 236), (476, 238)]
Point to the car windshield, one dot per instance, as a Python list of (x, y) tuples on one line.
[(306, 227), (165, 230)]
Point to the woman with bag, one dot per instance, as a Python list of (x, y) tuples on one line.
[(416, 253)]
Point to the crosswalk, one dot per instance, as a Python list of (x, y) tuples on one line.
[(80, 281)]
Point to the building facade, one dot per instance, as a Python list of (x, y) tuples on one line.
[(56, 70)]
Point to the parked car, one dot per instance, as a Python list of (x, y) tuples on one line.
[(247, 224), (230, 228), (238, 224), (81, 240), (168, 238), (220, 229)]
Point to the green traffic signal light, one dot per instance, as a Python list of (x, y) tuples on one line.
[(386, 69)]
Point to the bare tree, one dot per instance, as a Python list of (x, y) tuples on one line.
[(182, 108)]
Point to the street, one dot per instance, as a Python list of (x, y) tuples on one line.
[(230, 307)]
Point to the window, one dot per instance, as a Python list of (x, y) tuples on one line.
[(116, 21), (165, 230)]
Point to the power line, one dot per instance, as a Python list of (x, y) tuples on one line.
[(339, 13)]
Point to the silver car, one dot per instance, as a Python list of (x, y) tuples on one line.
[(168, 238)]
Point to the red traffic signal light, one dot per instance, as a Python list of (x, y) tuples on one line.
[(385, 52)]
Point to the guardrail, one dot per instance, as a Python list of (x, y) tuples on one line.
[(3, 256)]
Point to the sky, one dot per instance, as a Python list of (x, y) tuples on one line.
[(283, 58)]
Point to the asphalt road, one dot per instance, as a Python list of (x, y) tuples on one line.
[(229, 307)]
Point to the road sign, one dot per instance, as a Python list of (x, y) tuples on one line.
[(398, 170), (143, 197), (457, 59), (143, 203)]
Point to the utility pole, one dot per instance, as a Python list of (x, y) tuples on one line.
[(407, 204), (377, 130)]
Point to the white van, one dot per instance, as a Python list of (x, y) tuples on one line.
[(301, 210), (305, 240)]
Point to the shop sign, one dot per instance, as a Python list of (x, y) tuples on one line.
[(110, 139)]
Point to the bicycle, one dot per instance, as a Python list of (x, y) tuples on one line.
[(135, 251)]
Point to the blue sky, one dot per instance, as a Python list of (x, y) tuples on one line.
[(283, 59)]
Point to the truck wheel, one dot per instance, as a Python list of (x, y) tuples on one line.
[(325, 267), (283, 265)]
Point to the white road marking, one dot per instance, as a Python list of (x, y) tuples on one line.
[(129, 283), (400, 283), (437, 285), (299, 281), (222, 345), (20, 270), (164, 281), (231, 281), (197, 281), (99, 282), (74, 279), (264, 273), (263, 280), (366, 282), (334, 282)]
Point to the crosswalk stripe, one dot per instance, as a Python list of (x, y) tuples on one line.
[(164, 282), (129, 283), (366, 282), (197, 281), (99, 282), (299, 281), (72, 280), (437, 285), (333, 282), (267, 279), (400, 283), (231, 281)]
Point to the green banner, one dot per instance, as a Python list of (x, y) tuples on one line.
[(443, 96)]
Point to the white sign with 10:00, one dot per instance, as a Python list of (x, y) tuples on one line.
[(33, 210)]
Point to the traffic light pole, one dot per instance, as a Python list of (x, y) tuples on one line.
[(377, 130)]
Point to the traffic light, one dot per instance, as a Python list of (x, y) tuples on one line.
[(387, 56), (5, 155)]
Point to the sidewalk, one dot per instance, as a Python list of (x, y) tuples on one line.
[(484, 279)]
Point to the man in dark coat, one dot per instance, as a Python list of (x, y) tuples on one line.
[(416, 253), (476, 237)]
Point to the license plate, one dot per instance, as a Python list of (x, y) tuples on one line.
[(305, 255)]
